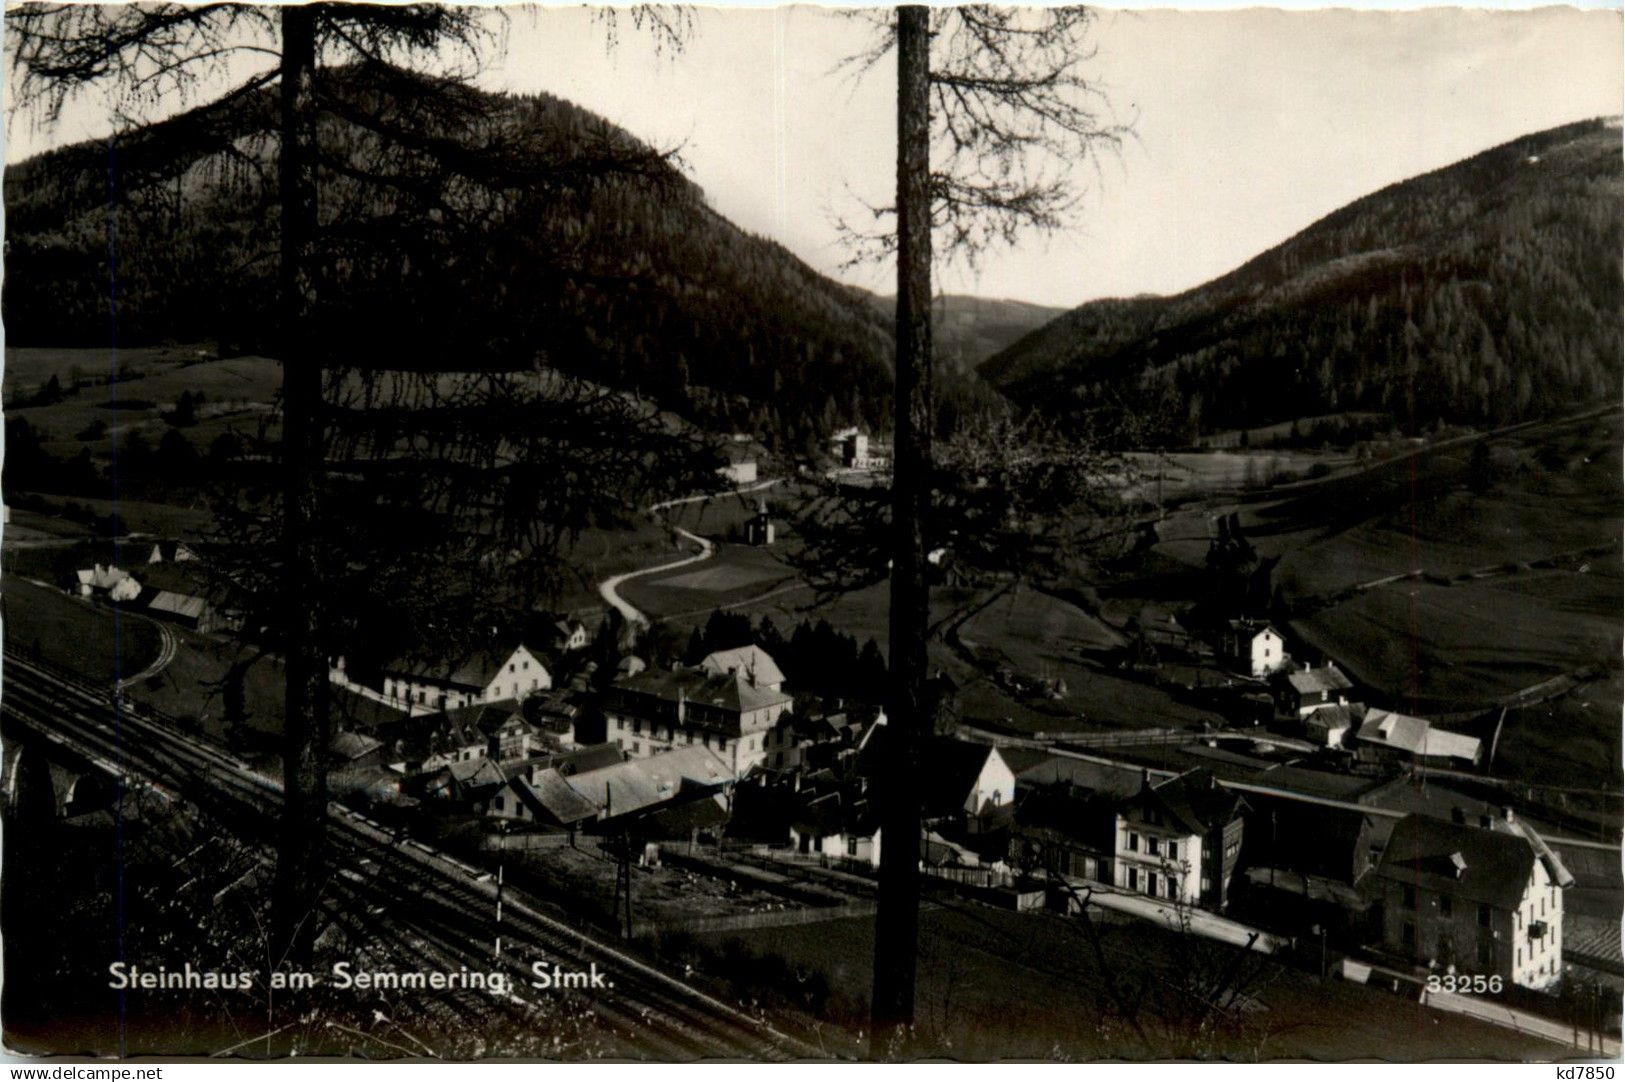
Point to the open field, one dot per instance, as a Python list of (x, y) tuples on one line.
[(976, 962), (1520, 581), (159, 520), (737, 573), (1182, 474), (102, 643), (1575, 738)]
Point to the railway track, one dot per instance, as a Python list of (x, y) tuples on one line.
[(387, 888)]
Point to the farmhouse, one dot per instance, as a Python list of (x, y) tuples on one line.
[(485, 677), (727, 704), (839, 823), (1484, 901), (569, 635), (1254, 646), (1329, 726), (188, 610), (1416, 738), (1179, 839), (1310, 688), (113, 582)]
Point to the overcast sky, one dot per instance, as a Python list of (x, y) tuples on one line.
[(1249, 125)]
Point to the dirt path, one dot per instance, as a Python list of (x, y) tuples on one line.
[(609, 589)]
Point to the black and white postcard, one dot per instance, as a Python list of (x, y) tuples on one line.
[(794, 533)]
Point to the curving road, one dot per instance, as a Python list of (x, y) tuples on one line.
[(608, 589)]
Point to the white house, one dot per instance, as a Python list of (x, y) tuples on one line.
[(1179, 840), (1256, 646), (486, 677), (1475, 900), (117, 584), (728, 704), (835, 826)]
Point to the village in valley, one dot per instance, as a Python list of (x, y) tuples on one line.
[(590, 595), (698, 794)]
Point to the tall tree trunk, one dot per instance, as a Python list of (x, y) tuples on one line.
[(300, 859), (898, 916)]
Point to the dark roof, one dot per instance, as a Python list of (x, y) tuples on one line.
[(1194, 800), (1485, 866), (551, 798), (1036, 768), (733, 692), (948, 769), (839, 811), (352, 711), (474, 672), (1062, 812), (1327, 677), (1334, 716), (175, 578), (349, 745)]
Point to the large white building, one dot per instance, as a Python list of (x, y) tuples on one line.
[(1482, 899), (727, 704), (1179, 840)]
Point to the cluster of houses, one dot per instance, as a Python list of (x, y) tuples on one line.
[(1422, 877), (160, 584), (1314, 702)]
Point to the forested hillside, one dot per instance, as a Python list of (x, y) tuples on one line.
[(967, 330), (1483, 293), (562, 251)]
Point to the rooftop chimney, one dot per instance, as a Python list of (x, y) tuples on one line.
[(1459, 861), (1486, 821), (1507, 814)]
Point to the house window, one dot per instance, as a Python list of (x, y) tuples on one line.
[(637, 727), (636, 747), (1407, 934), (1133, 879), (1444, 905), (1151, 844), (851, 845), (497, 803), (1133, 843), (1407, 896), (1151, 883), (1173, 850), (1483, 916)]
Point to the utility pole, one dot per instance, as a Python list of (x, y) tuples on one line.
[(623, 886), (502, 854)]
